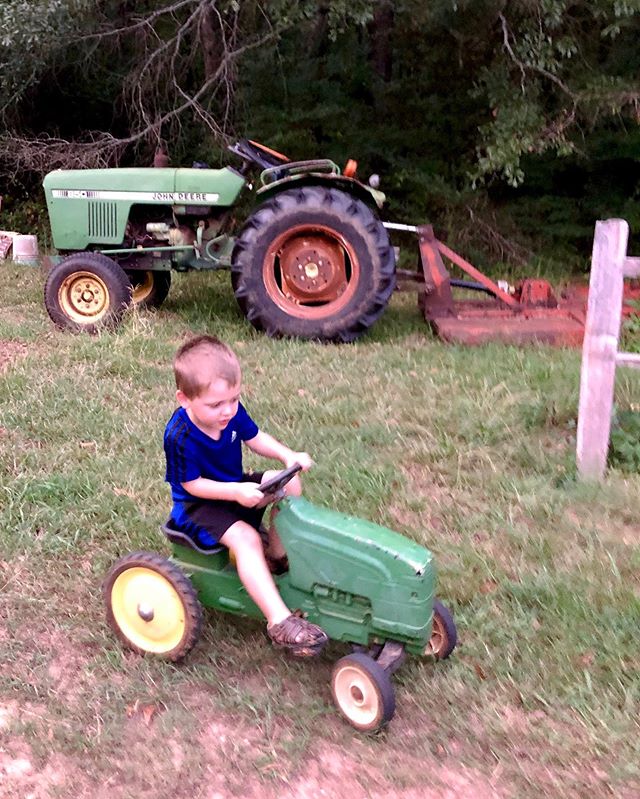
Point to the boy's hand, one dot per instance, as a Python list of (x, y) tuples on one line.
[(248, 494), (303, 458)]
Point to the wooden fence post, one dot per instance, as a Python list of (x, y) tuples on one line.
[(600, 346)]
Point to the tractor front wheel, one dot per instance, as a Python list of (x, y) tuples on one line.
[(150, 287), (87, 291), (152, 606), (313, 263), (363, 692)]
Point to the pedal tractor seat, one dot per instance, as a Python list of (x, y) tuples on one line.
[(183, 540)]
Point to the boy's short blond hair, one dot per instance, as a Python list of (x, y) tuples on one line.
[(200, 361)]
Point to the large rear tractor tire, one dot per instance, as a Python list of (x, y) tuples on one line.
[(313, 263), (87, 291), (150, 287)]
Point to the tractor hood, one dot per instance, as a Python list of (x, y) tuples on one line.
[(384, 551), (348, 563), (146, 185), (92, 206)]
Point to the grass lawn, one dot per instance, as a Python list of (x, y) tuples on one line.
[(468, 451)]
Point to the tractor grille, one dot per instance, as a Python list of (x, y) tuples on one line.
[(103, 220)]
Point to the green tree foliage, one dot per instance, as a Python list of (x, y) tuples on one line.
[(562, 68), (455, 102), (33, 34), (486, 94)]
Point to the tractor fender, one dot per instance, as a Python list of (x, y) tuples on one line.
[(371, 197)]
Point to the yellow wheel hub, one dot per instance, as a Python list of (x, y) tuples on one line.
[(356, 695), (148, 610), (142, 286), (84, 297)]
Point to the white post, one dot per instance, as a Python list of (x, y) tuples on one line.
[(600, 346)]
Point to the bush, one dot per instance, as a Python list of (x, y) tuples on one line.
[(624, 445)]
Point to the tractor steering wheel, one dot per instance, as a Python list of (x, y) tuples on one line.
[(273, 489), (258, 154), (279, 480)]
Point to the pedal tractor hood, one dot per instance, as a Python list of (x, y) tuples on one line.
[(341, 559)]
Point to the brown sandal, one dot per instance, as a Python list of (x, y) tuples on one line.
[(299, 636)]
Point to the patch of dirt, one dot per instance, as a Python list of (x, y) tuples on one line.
[(191, 743), (8, 712), (22, 774), (22, 778), (9, 351), (161, 753), (331, 773), (66, 670), (626, 531), (249, 761)]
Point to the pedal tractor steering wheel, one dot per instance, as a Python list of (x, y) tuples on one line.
[(273, 489)]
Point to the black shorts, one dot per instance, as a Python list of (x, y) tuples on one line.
[(209, 519)]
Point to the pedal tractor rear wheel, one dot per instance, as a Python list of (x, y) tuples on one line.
[(444, 635), (363, 692), (152, 606)]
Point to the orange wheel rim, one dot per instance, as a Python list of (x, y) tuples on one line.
[(311, 271)]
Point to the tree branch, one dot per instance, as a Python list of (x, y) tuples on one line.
[(531, 67), (41, 154)]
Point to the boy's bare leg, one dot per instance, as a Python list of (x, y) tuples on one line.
[(252, 567), (292, 489), (300, 637)]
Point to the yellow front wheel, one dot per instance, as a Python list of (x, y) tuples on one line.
[(87, 291), (152, 606)]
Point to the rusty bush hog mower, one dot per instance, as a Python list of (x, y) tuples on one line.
[(312, 260), (527, 312), (365, 585)]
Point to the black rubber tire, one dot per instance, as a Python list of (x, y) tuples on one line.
[(365, 672), (119, 620), (150, 287), (107, 285), (338, 212), (446, 632)]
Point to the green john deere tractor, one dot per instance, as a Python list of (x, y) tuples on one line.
[(313, 259)]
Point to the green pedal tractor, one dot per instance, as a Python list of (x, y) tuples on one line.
[(312, 260), (366, 586)]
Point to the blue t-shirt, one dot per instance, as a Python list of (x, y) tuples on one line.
[(191, 453)]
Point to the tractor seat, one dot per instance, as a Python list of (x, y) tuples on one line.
[(183, 540)]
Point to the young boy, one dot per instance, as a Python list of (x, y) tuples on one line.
[(214, 501)]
